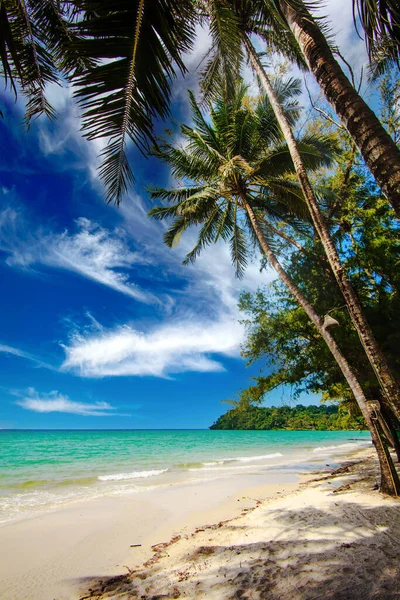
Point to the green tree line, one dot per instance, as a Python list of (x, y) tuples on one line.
[(298, 417)]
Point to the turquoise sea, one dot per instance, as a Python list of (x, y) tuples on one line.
[(43, 470)]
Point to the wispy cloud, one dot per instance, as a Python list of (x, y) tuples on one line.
[(199, 322), (201, 330), (22, 354), (56, 402), (91, 251), (162, 350), (13, 351)]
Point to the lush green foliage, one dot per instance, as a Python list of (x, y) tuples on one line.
[(279, 332), (122, 57), (236, 157), (286, 417), (381, 24)]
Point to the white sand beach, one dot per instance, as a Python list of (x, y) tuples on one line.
[(328, 536), (49, 556)]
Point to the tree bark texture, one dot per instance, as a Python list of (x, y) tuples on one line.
[(372, 349), (389, 420), (377, 148), (390, 483)]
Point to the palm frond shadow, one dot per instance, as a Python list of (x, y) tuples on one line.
[(350, 554)]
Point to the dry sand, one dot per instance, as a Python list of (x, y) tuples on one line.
[(49, 557), (335, 538), (330, 537)]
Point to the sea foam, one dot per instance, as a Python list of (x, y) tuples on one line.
[(338, 446), (133, 475), (241, 459)]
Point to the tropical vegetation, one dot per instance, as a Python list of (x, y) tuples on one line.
[(242, 181), (303, 201), (122, 57), (298, 417)]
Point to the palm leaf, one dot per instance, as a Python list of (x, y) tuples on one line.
[(218, 78), (8, 52), (175, 195), (207, 235), (32, 61), (173, 235), (238, 246), (136, 49), (381, 24), (56, 21)]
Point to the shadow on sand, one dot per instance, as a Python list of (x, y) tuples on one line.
[(347, 554)]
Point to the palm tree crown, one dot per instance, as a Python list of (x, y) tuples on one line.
[(236, 157)]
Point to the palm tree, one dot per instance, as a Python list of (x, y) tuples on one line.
[(240, 176), (377, 148), (38, 46), (121, 58), (239, 25), (381, 24)]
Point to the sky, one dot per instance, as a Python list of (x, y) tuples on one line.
[(101, 326)]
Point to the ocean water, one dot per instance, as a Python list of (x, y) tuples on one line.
[(43, 470)]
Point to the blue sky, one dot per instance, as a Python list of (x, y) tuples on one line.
[(100, 324)]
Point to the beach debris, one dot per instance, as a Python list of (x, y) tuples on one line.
[(162, 545), (135, 545), (130, 571)]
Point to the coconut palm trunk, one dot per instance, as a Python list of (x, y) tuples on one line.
[(372, 349), (390, 483), (377, 148)]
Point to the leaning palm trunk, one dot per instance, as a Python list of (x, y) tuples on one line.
[(372, 349), (390, 483), (377, 148)]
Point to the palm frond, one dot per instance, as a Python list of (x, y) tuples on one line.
[(220, 74), (135, 48), (316, 151), (381, 24), (238, 246), (56, 20), (266, 231), (173, 235), (164, 212), (225, 225), (9, 57), (174, 195), (185, 163), (27, 58), (207, 235)]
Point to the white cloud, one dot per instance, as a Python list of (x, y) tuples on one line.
[(56, 402), (14, 351), (201, 328), (22, 354), (91, 251), (200, 48), (173, 347)]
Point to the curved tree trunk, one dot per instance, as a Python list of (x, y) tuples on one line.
[(372, 349), (377, 148), (390, 483), (390, 419)]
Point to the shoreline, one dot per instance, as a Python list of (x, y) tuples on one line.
[(48, 556), (59, 555), (333, 536)]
